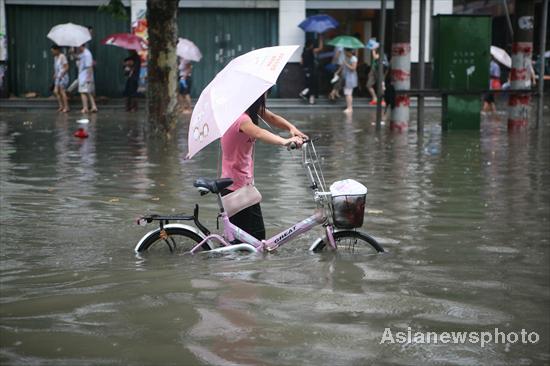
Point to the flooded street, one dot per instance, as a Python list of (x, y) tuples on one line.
[(464, 216)]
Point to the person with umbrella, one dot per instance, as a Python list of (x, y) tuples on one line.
[(184, 85), (131, 64), (238, 157), (494, 84), (350, 78), (349, 65), (309, 64), (86, 85), (372, 77), (230, 107), (60, 78), (132, 67), (319, 23), (187, 51), (70, 35)]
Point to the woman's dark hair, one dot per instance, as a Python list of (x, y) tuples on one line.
[(55, 47), (257, 108)]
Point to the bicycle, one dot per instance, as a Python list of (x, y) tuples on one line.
[(346, 215)]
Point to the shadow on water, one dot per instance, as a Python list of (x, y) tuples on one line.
[(463, 214)]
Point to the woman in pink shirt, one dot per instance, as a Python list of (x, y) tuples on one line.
[(237, 157)]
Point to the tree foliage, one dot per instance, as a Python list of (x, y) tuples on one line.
[(115, 8)]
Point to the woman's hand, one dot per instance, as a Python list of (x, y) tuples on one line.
[(297, 133), (294, 139)]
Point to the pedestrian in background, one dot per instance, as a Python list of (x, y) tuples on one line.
[(336, 81), (309, 64), (86, 85), (350, 78), (60, 78), (132, 66), (494, 84), (185, 68), (372, 77), (73, 57)]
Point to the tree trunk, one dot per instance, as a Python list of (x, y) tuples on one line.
[(162, 65)]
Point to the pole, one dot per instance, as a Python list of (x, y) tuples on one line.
[(401, 65), (542, 49), (379, 89), (520, 75), (431, 35), (508, 20), (421, 73)]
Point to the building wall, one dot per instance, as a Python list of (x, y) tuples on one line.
[(223, 34), (30, 64), (222, 29)]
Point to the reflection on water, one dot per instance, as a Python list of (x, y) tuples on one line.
[(464, 215)]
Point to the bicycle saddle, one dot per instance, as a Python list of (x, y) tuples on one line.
[(213, 185)]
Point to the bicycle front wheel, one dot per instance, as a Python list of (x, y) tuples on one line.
[(171, 240), (352, 241)]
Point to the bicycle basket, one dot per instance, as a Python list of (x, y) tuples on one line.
[(348, 203)]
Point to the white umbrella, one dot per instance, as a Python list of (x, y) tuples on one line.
[(69, 34), (501, 56), (188, 50), (232, 91)]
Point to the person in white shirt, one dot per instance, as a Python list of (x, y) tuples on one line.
[(86, 83)]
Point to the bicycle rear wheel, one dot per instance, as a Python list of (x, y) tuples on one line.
[(171, 240), (352, 241)]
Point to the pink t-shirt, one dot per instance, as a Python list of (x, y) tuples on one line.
[(237, 150)]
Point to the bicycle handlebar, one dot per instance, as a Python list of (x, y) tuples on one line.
[(293, 146)]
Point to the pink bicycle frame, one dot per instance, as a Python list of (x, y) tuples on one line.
[(232, 232)]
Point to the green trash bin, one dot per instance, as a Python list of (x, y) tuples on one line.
[(462, 46)]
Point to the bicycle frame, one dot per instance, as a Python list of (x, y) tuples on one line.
[(233, 232)]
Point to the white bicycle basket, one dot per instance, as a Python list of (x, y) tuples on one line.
[(348, 203)]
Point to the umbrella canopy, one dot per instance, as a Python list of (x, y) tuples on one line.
[(346, 42), (232, 91), (188, 50), (69, 35), (501, 56), (318, 23), (125, 40)]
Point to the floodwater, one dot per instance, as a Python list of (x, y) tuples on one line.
[(464, 216)]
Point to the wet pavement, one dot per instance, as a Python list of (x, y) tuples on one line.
[(463, 214)]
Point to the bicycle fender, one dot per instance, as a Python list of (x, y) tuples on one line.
[(181, 226), (319, 240)]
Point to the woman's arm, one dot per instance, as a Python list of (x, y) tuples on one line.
[(320, 47), (251, 130), (352, 66), (282, 123), (65, 68)]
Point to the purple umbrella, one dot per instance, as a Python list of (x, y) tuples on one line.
[(318, 23)]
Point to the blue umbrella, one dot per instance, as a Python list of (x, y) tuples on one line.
[(318, 23)]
